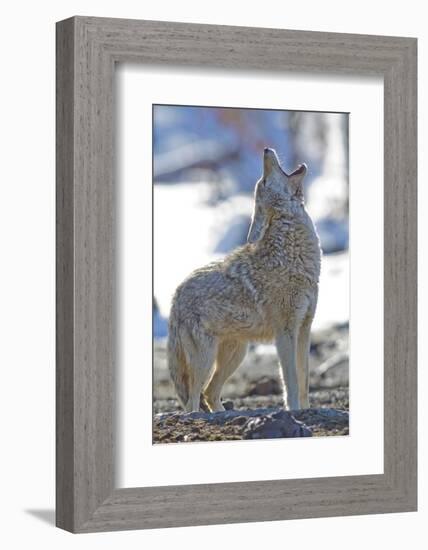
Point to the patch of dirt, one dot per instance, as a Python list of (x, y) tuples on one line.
[(254, 417)]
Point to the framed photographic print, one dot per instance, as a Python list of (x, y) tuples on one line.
[(236, 274)]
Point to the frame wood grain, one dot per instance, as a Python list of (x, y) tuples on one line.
[(87, 50)]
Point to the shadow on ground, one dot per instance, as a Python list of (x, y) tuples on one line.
[(47, 515)]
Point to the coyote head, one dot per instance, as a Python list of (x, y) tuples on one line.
[(276, 193)]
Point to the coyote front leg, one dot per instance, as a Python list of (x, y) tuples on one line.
[(286, 343), (303, 344)]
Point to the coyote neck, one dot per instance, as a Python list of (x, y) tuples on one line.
[(293, 244)]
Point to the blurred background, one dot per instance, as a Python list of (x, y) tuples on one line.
[(206, 161)]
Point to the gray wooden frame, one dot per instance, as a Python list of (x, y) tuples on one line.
[(87, 50)]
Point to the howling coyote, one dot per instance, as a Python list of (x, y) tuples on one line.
[(265, 290)]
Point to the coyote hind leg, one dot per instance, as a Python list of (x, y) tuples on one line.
[(200, 358), (229, 356)]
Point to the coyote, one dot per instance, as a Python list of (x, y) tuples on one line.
[(265, 290)]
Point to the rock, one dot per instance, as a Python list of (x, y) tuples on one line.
[(276, 425), (333, 372), (239, 421), (265, 386)]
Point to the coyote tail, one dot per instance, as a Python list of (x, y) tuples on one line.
[(177, 363)]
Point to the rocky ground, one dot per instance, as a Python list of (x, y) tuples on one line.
[(253, 397)]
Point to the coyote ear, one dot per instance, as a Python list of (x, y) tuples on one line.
[(295, 180)]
